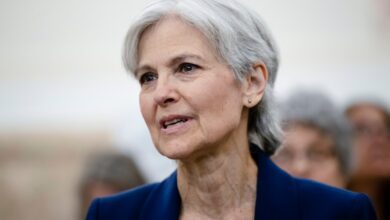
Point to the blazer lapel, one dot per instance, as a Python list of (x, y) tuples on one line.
[(277, 196), (164, 201)]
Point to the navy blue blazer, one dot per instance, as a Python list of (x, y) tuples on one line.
[(279, 196)]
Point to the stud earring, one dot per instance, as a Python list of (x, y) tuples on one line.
[(249, 101)]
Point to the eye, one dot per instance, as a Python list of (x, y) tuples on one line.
[(318, 155), (187, 67), (147, 77)]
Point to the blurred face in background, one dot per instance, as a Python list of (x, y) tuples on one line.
[(371, 142), (307, 152), (100, 189)]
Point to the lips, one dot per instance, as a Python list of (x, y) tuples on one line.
[(172, 120)]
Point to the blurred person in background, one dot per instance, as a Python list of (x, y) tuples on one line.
[(107, 173), (317, 139), (371, 148)]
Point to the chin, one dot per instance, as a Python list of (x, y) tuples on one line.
[(175, 151)]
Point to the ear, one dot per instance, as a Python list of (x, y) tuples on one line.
[(254, 84)]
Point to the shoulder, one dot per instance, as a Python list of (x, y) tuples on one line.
[(305, 199), (302, 199), (124, 205), (163, 198), (331, 203)]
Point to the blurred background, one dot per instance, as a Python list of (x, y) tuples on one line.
[(64, 93)]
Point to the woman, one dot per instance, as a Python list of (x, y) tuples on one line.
[(206, 70), (106, 173), (371, 147), (317, 139)]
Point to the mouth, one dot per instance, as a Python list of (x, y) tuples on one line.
[(171, 121)]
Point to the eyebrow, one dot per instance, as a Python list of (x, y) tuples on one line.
[(182, 57), (173, 61)]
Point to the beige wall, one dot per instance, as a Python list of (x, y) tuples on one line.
[(60, 61), (40, 171)]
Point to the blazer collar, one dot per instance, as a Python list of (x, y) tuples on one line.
[(276, 194), (164, 201)]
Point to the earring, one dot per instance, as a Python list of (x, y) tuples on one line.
[(249, 101)]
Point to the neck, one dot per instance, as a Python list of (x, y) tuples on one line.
[(218, 185)]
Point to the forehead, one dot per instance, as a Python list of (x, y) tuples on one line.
[(304, 136), (171, 34), (367, 113)]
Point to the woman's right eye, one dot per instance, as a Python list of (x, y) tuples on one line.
[(147, 77)]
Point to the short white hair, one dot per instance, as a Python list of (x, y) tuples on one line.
[(315, 109), (239, 37)]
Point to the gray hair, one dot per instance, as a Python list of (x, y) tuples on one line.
[(112, 169), (315, 109), (239, 37)]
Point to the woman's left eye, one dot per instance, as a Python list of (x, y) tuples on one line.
[(187, 67)]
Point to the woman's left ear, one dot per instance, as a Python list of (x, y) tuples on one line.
[(254, 84)]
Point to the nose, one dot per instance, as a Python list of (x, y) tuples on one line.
[(165, 92)]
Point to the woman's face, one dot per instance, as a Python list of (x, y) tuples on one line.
[(371, 142), (309, 153), (189, 99)]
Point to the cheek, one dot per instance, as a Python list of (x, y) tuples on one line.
[(332, 170), (217, 102), (221, 94), (220, 107)]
